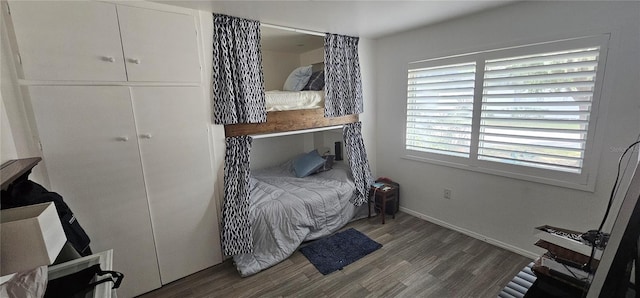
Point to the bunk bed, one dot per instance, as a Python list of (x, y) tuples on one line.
[(267, 214), (287, 210)]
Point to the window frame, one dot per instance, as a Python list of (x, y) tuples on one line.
[(583, 181)]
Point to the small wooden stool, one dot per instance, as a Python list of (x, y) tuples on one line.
[(380, 196)]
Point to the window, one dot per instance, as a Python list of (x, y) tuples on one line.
[(440, 109), (527, 112)]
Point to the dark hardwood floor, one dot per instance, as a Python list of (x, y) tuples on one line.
[(418, 259)]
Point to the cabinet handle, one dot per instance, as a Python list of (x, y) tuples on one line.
[(122, 139), (135, 61), (146, 136), (109, 59)]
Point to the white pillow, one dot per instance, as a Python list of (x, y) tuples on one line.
[(298, 78)]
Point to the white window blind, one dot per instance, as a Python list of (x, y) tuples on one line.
[(526, 112), (440, 109), (535, 109)]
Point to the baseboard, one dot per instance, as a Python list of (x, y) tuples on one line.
[(491, 241)]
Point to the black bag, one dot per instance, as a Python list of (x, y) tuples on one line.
[(23, 192), (80, 283)]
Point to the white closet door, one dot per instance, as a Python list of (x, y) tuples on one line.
[(172, 126), (68, 40), (159, 46), (91, 154)]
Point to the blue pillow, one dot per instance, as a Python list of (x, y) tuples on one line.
[(307, 164), (297, 79)]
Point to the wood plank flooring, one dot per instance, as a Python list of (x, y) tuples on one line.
[(418, 259)]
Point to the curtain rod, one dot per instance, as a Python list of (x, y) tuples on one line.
[(295, 132), (293, 29)]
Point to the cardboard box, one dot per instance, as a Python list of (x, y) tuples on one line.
[(31, 236)]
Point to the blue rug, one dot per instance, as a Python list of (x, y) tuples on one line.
[(338, 250)]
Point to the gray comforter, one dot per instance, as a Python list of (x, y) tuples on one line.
[(286, 210)]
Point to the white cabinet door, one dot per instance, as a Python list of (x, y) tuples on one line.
[(159, 46), (68, 40), (91, 153), (172, 126)]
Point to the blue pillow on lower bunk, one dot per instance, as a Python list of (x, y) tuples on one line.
[(307, 164)]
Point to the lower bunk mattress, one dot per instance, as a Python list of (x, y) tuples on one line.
[(286, 211)]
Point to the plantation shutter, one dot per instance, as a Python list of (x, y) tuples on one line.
[(440, 109), (535, 109)]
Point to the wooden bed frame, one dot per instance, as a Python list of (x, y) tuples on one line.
[(281, 121)]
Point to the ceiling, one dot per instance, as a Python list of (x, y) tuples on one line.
[(369, 19), (278, 40)]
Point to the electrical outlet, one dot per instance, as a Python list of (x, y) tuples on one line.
[(447, 194)]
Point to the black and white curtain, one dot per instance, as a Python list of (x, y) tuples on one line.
[(343, 88), (357, 157), (236, 226), (238, 91), (343, 84), (238, 83)]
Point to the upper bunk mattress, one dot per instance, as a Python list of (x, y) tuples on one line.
[(294, 100)]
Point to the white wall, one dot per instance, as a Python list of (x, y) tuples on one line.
[(273, 151), (267, 152), (17, 137), (312, 57), (369, 119), (10, 96), (276, 67), (505, 210), (7, 145)]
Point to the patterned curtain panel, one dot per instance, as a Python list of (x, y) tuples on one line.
[(343, 84), (357, 157), (238, 83), (236, 226)]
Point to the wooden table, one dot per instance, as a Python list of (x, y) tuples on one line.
[(380, 197)]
